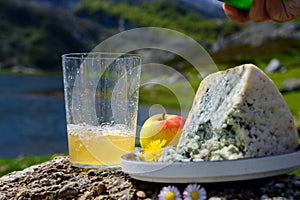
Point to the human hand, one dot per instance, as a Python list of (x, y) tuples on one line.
[(263, 10)]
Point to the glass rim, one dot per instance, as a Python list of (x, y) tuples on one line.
[(102, 55)]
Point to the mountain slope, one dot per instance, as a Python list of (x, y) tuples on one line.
[(166, 14), (259, 43), (36, 36)]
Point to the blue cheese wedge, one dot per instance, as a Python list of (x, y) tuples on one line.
[(237, 113)]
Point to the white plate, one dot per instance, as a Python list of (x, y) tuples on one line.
[(210, 171)]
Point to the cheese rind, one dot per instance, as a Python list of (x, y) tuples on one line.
[(236, 113)]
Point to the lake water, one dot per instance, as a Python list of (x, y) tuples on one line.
[(31, 121), (32, 115)]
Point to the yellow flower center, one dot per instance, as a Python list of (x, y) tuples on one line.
[(195, 195), (170, 196)]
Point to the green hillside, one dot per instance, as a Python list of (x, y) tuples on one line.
[(166, 14), (286, 50), (35, 36)]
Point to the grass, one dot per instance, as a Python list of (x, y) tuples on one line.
[(177, 95), (15, 164), (33, 72), (296, 172), (292, 98)]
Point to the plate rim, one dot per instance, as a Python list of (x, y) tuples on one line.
[(245, 169)]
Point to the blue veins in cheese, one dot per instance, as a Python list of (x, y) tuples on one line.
[(237, 113)]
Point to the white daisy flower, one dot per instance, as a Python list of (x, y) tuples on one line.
[(169, 193), (194, 192)]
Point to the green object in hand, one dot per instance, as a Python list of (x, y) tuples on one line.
[(240, 4)]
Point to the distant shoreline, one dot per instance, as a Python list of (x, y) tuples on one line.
[(48, 93), (29, 71)]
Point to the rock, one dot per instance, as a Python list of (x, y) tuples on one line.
[(100, 188), (256, 35), (290, 85), (23, 69), (274, 66), (68, 191), (141, 194), (56, 179)]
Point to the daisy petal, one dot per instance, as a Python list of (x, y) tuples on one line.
[(194, 192), (169, 193)]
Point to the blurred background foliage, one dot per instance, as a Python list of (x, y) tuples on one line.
[(35, 33)]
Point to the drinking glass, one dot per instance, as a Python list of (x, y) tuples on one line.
[(101, 100)]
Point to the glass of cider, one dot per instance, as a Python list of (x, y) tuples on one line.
[(101, 100)]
